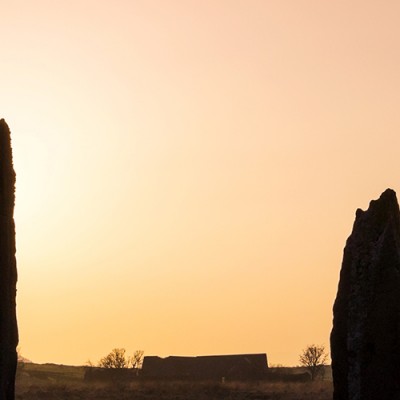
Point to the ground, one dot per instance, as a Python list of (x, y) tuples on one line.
[(57, 382)]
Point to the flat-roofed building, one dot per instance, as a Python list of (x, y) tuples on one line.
[(230, 367)]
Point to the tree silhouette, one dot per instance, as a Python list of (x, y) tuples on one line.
[(313, 358), (115, 359), (118, 359), (137, 359)]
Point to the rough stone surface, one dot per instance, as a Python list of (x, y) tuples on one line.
[(365, 339), (8, 270)]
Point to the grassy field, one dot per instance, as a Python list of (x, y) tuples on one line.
[(58, 382)]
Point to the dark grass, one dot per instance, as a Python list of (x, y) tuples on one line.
[(55, 382), (178, 390)]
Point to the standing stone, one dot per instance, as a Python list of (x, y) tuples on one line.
[(365, 339), (8, 269)]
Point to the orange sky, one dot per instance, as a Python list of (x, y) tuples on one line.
[(188, 171)]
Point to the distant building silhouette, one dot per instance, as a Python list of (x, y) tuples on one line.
[(229, 367)]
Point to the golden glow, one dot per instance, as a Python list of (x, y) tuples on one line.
[(188, 172)]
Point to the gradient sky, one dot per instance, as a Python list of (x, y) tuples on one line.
[(188, 171)]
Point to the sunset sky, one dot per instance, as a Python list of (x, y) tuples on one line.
[(188, 171)]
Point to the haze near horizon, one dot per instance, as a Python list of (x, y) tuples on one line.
[(188, 172)]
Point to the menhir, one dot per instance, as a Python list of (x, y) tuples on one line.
[(8, 270), (365, 339)]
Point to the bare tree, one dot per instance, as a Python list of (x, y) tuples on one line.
[(89, 363), (313, 358), (115, 359), (137, 359), (118, 359)]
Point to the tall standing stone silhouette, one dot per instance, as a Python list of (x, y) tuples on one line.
[(365, 339), (8, 269)]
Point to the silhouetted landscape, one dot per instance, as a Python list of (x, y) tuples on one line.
[(50, 381)]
